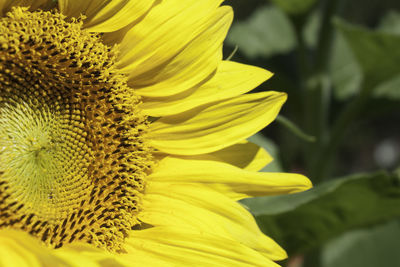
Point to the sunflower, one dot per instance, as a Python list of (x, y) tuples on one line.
[(123, 137)]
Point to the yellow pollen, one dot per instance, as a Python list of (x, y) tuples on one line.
[(73, 153)]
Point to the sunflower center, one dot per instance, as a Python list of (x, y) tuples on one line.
[(38, 153), (73, 156)]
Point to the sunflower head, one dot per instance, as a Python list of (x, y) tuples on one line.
[(72, 158)]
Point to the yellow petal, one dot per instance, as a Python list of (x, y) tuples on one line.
[(105, 15), (186, 247), (5, 5), (244, 155), (190, 66), (74, 8), (79, 254), (228, 179), (167, 28), (231, 79), (116, 15), (13, 253), (17, 248), (204, 209), (217, 126)]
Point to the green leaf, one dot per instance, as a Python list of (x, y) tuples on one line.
[(345, 70), (376, 52), (303, 221), (391, 23), (294, 6), (311, 29), (389, 89), (345, 73), (267, 32), (372, 247)]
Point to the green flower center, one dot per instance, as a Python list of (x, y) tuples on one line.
[(37, 156)]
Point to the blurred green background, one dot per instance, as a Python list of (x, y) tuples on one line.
[(339, 62)]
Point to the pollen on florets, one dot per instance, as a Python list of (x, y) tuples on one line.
[(73, 156)]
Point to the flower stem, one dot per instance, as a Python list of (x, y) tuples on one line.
[(316, 104), (339, 130)]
